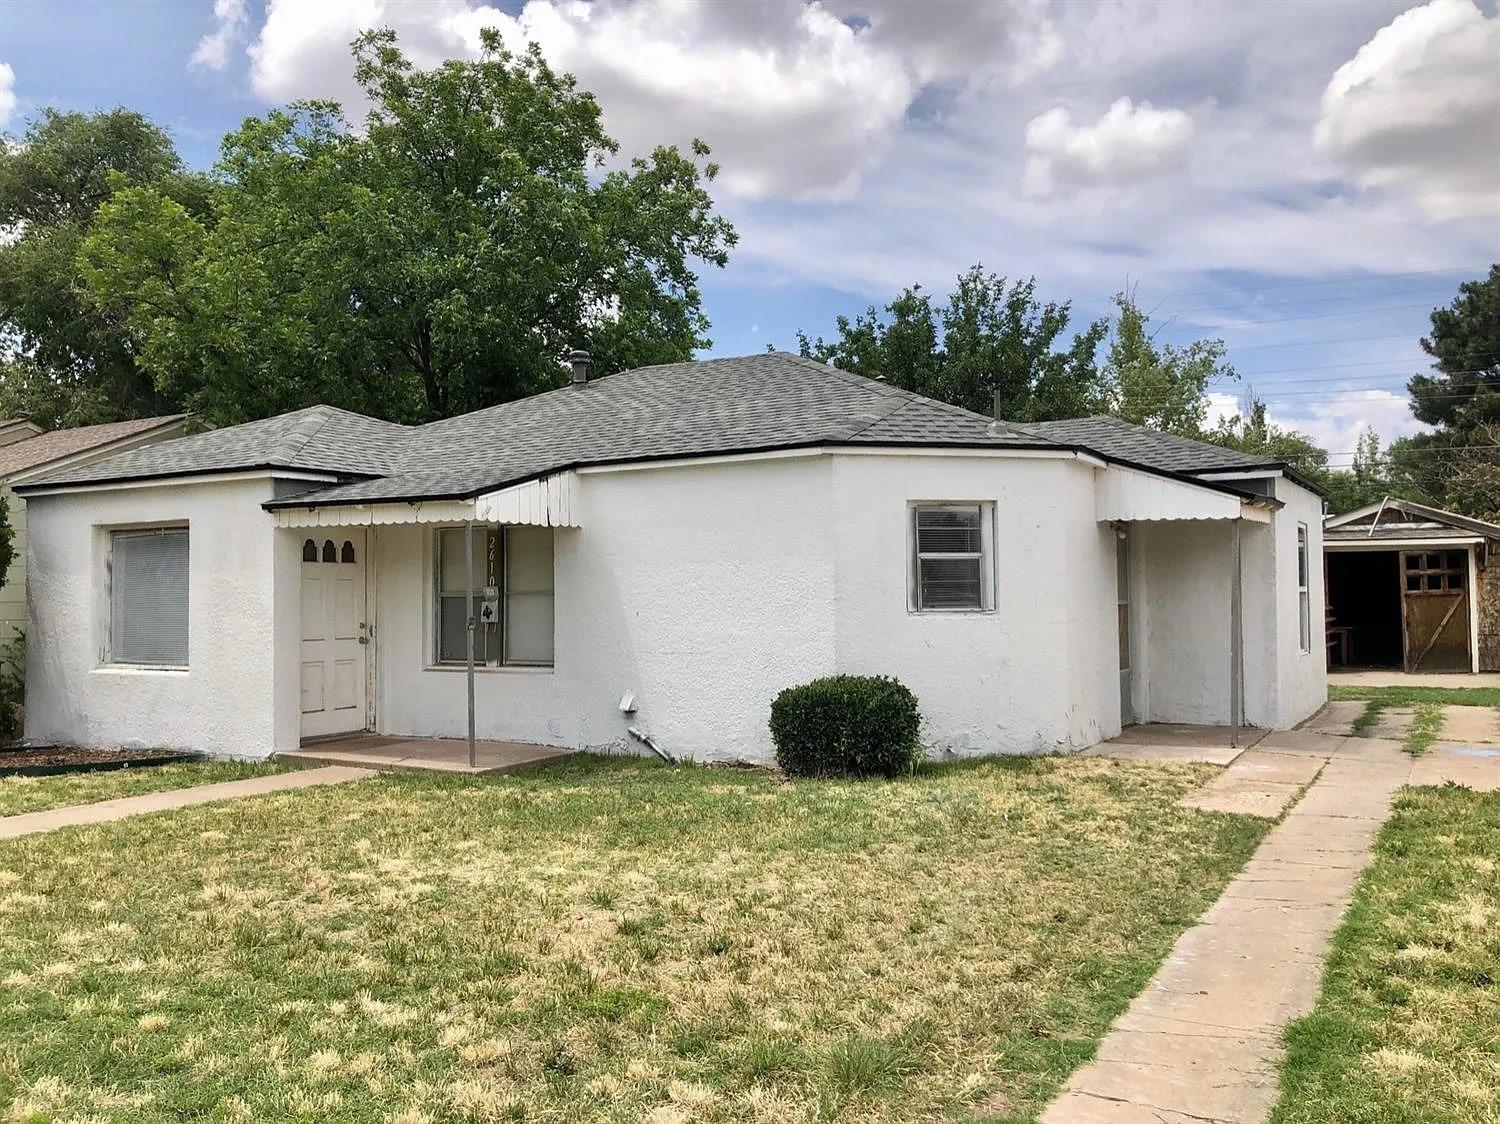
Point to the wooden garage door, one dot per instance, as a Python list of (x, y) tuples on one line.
[(1435, 609)]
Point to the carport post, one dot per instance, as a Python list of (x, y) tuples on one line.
[(469, 623), (1236, 637)]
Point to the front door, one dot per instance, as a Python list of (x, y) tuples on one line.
[(334, 639)]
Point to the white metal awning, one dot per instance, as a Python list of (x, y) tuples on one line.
[(550, 501), (1127, 495)]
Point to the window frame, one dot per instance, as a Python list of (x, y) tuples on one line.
[(1304, 588), (986, 556), (496, 533), (112, 658)]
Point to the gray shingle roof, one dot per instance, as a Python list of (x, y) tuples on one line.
[(319, 438), (758, 402), (1117, 438), (1356, 533)]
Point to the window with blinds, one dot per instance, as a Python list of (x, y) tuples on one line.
[(148, 597), (512, 573), (952, 557)]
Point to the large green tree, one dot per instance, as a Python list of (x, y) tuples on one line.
[(65, 361), (1161, 385), (442, 257), (991, 338), (1463, 393)]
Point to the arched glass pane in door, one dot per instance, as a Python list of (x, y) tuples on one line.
[(347, 554), (330, 552), (309, 551)]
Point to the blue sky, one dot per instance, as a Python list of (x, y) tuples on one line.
[(1304, 181)]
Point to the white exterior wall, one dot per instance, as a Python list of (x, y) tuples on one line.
[(1183, 579), (1035, 675), (706, 589), (1303, 676), (703, 589), (1182, 618), (223, 702)]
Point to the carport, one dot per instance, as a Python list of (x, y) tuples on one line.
[(1407, 589)]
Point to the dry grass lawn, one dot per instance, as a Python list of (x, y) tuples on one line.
[(1407, 1030), (604, 939), (20, 794)]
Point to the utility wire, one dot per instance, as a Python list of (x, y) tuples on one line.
[(1329, 281)]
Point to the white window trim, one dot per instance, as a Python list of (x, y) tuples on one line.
[(109, 660), (1304, 588), (987, 572), (435, 594)]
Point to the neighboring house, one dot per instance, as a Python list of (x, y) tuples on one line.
[(1410, 586), (697, 535), (26, 451)]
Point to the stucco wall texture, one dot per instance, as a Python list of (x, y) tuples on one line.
[(703, 589)]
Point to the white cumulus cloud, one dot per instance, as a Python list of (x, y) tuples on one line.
[(7, 93), (212, 51), (798, 100), (1334, 423), (1131, 142), (1417, 109)]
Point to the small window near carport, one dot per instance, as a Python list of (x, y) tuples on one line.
[(1304, 592)]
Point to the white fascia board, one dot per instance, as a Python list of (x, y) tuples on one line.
[(808, 451), (184, 481), (1357, 514), (1370, 545), (1241, 474)]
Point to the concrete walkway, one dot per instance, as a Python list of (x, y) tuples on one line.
[(106, 810), (1201, 1043)]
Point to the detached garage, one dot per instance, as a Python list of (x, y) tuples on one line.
[(1411, 587)]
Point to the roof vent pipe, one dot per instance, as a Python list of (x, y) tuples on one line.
[(580, 362), (998, 415)]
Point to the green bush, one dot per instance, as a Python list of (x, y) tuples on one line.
[(847, 725)]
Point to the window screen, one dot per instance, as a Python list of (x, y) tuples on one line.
[(528, 595), (513, 572), (950, 556), (149, 597)]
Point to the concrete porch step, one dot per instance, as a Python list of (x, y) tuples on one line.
[(435, 755)]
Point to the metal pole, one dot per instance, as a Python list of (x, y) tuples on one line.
[(469, 611), (1236, 638)]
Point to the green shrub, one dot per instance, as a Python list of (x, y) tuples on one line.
[(847, 725)]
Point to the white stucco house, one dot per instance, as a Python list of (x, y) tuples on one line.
[(697, 535)]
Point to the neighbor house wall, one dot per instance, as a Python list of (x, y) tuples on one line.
[(222, 702), (1036, 674), (13, 591), (701, 589)]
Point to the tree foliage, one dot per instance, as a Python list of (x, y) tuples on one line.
[(1457, 465), (1157, 384), (443, 257), (991, 338), (1464, 393), (65, 361)]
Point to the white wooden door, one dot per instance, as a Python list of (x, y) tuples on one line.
[(334, 637)]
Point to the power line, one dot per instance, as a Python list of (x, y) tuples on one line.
[(1330, 281), (1318, 343), (1314, 316), (1302, 302)]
